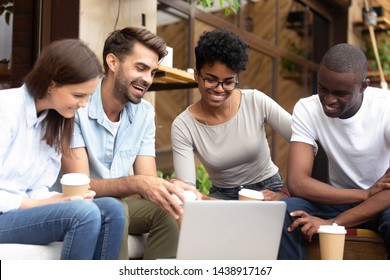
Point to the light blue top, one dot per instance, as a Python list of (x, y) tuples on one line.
[(28, 166), (109, 156)]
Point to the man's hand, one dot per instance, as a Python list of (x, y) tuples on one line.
[(381, 184), (308, 224), (185, 186), (160, 191)]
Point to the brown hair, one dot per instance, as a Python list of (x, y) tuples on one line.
[(121, 43), (64, 62)]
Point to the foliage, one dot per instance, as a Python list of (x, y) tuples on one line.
[(165, 176), (383, 51), (289, 66), (7, 8), (233, 5), (203, 183)]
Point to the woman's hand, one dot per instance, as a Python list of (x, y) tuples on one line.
[(273, 196), (33, 202)]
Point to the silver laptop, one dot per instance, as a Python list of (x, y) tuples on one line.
[(231, 230)]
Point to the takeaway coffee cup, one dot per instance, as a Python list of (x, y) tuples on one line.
[(248, 194), (188, 196), (332, 239), (75, 184)]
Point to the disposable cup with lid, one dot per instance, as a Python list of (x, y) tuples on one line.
[(332, 239), (188, 195), (75, 184), (334, 229), (248, 194), (75, 179)]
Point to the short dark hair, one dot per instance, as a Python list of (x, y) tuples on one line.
[(64, 62), (121, 43), (346, 58), (224, 46)]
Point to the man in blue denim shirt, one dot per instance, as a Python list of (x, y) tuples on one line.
[(114, 138)]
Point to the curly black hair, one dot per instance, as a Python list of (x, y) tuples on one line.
[(224, 46)]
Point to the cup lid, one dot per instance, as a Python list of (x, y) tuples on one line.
[(334, 228), (188, 195), (251, 193), (74, 179)]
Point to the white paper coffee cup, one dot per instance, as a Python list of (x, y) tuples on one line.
[(75, 184), (332, 240), (248, 194), (188, 195)]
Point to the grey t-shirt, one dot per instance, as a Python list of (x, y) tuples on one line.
[(236, 152)]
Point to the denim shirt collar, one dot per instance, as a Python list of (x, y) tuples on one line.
[(96, 107)]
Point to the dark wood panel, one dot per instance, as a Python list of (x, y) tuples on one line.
[(22, 40), (65, 19)]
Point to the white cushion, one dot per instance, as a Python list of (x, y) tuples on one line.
[(52, 251), (10, 251), (137, 245)]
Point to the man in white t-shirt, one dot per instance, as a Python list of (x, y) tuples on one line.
[(351, 121)]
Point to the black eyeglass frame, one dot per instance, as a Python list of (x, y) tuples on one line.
[(218, 83)]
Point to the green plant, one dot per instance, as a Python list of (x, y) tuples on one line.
[(7, 8), (165, 176), (384, 54), (203, 183), (288, 66), (233, 5)]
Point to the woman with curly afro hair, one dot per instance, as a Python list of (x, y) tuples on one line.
[(225, 128)]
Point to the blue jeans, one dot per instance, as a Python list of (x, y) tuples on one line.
[(88, 229), (293, 244), (273, 183)]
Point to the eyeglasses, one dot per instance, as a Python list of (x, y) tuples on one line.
[(213, 83)]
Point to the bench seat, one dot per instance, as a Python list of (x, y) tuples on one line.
[(52, 251)]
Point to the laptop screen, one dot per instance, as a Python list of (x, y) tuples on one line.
[(231, 230)]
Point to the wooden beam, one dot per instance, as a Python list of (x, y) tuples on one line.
[(344, 4)]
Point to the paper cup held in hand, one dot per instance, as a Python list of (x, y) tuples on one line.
[(75, 184), (332, 239), (248, 194), (188, 195)]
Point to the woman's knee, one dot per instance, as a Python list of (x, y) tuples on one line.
[(84, 210), (110, 207)]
